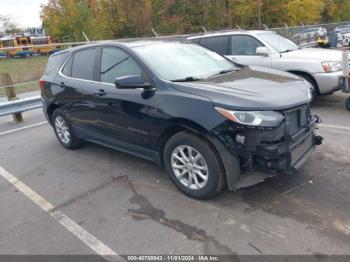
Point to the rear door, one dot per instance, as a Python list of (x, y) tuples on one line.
[(78, 83), (243, 49)]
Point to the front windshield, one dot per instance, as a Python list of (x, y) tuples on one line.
[(277, 42), (183, 61)]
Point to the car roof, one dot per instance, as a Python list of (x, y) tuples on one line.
[(130, 43), (228, 32)]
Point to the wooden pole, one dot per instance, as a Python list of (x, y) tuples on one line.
[(5, 80), (259, 2)]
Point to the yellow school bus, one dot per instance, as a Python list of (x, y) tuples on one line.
[(42, 45), (2, 51), (18, 46)]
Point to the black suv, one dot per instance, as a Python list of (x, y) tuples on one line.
[(209, 122)]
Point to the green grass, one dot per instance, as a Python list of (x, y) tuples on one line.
[(23, 71)]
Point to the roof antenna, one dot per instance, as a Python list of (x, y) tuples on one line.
[(85, 36), (204, 29), (154, 32)]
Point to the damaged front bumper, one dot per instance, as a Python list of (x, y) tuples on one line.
[(266, 152)]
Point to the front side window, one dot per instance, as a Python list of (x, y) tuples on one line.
[(178, 61), (244, 45), (218, 44), (83, 64), (117, 63)]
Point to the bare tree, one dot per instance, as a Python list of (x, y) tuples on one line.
[(8, 25)]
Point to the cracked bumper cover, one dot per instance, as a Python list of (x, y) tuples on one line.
[(266, 152)]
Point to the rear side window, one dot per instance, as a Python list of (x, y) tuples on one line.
[(84, 63), (55, 62), (117, 63), (218, 44)]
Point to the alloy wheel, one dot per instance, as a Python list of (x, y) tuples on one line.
[(62, 130), (189, 167)]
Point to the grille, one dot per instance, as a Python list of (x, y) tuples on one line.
[(296, 119)]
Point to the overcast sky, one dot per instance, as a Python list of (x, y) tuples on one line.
[(26, 13)]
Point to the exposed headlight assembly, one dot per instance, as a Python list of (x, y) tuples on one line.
[(252, 118), (330, 67)]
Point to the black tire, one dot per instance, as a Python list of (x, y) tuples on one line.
[(315, 92), (347, 103), (215, 182), (73, 142)]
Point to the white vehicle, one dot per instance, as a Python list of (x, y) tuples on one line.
[(322, 68)]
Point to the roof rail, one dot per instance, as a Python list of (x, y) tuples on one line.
[(213, 32)]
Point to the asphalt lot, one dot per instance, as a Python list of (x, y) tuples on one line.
[(129, 205)]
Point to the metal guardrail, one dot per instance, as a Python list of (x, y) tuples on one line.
[(20, 105)]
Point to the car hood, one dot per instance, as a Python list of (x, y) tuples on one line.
[(251, 88), (314, 54)]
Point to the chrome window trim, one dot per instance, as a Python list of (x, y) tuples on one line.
[(74, 78), (91, 81)]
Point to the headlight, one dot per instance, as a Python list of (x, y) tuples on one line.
[(252, 118), (329, 67)]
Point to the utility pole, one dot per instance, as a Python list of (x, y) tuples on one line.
[(259, 2)]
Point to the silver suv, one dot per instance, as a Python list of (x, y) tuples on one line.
[(320, 67)]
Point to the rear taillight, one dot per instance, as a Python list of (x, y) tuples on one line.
[(41, 84)]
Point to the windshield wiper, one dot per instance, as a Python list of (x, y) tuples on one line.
[(224, 72), (287, 50), (187, 79)]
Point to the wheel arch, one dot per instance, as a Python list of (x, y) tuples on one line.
[(50, 109), (228, 162), (178, 125)]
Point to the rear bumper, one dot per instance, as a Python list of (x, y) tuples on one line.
[(328, 82)]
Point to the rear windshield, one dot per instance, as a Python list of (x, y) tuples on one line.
[(55, 62)]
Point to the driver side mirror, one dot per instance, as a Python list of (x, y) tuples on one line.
[(262, 51), (131, 82)]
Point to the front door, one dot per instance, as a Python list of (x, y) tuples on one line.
[(123, 114), (243, 51)]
